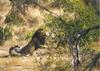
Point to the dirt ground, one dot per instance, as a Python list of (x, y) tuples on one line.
[(42, 60), (38, 62)]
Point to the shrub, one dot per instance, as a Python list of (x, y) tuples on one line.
[(5, 34), (14, 19), (84, 18)]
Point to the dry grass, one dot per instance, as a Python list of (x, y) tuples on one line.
[(95, 46), (37, 62), (54, 61), (42, 60)]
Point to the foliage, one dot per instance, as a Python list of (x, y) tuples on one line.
[(84, 18), (29, 35), (14, 19), (5, 34)]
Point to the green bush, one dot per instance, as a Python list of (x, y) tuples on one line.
[(5, 34), (14, 19), (84, 18)]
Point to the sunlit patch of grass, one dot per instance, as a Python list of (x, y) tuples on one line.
[(95, 45)]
